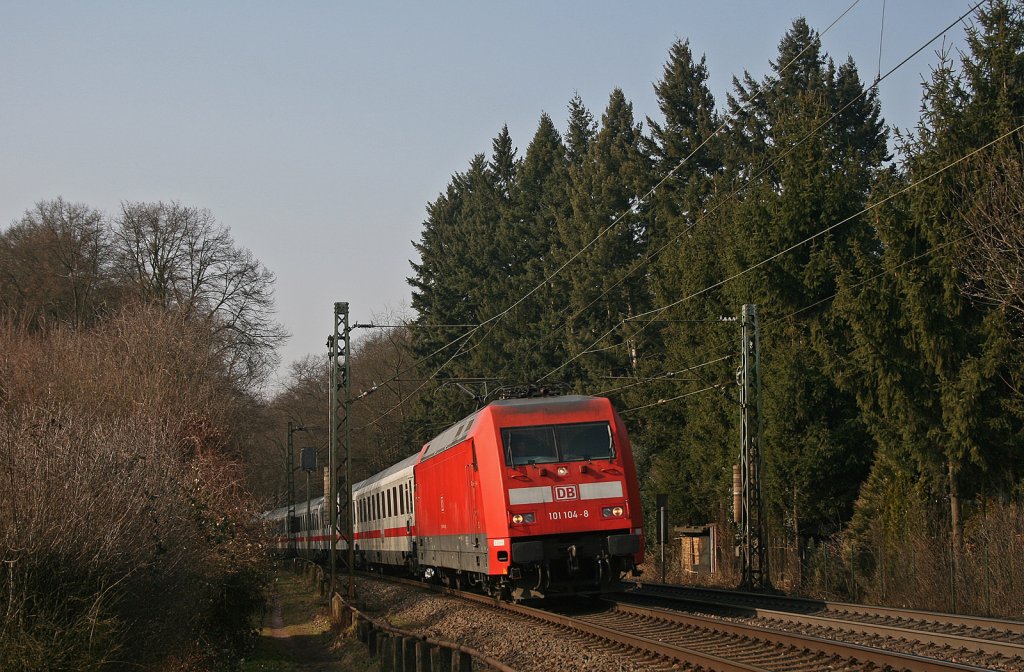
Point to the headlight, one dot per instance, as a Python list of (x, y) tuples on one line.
[(517, 518), (563, 471), (612, 511), (523, 518)]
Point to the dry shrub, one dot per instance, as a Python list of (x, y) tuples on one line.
[(992, 568), (127, 538), (912, 565)]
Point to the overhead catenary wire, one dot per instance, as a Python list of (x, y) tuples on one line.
[(646, 259), (590, 349), (758, 90), (661, 402), (720, 283), (666, 376), (464, 339), (615, 221)]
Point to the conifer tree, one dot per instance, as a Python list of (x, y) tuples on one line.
[(690, 439), (805, 144), (932, 369), (540, 201), (582, 130), (605, 188)]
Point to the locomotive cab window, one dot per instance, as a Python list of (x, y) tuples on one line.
[(557, 443)]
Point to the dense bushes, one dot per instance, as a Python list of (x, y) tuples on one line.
[(125, 538)]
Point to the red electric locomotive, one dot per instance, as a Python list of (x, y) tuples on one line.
[(528, 497), (524, 498)]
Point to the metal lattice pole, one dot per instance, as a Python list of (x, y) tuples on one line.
[(340, 469), (752, 525), (290, 471)]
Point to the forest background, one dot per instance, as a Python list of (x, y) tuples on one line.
[(609, 259), (614, 258)]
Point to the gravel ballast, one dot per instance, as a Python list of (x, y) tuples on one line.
[(516, 641)]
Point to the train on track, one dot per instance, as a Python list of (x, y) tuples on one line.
[(522, 499)]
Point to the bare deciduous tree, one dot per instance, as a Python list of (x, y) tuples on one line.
[(55, 264), (181, 258), (993, 256)]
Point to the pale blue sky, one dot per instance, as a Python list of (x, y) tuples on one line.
[(319, 131)]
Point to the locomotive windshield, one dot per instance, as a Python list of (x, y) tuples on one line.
[(557, 443)]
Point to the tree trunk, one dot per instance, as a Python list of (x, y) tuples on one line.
[(797, 557), (955, 532)]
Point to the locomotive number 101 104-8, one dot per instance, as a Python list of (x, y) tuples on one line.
[(568, 515)]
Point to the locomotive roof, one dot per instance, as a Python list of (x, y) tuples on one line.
[(569, 402), (458, 432)]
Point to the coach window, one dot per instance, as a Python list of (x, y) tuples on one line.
[(401, 498)]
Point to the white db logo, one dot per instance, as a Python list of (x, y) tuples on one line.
[(566, 493)]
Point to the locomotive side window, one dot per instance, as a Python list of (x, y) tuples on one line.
[(557, 443)]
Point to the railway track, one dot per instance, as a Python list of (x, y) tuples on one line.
[(987, 642), (668, 638)]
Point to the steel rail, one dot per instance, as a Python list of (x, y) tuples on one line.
[(970, 643), (680, 653), (807, 605), (743, 598), (863, 654), (661, 649)]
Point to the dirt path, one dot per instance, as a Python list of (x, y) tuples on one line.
[(299, 637)]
